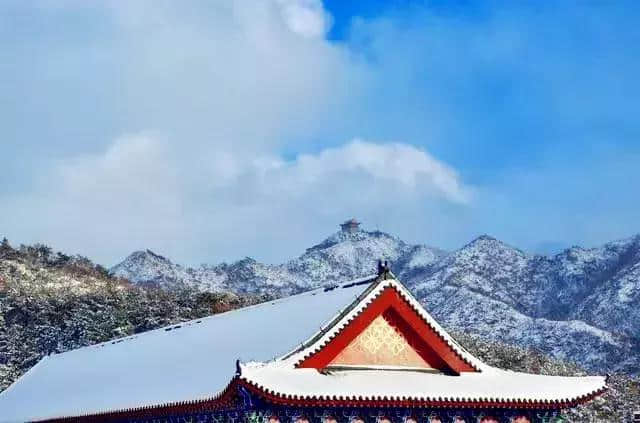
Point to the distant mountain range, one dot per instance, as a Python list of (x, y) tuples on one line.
[(341, 257), (581, 304)]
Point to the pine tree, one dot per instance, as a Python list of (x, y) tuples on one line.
[(6, 251)]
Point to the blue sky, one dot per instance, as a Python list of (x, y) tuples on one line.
[(212, 131)]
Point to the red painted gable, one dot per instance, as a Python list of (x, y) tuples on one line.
[(428, 349)]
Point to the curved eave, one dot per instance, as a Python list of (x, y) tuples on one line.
[(413, 402), (225, 400)]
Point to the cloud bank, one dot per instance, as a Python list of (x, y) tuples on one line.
[(141, 191)]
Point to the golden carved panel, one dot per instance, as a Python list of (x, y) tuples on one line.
[(380, 344)]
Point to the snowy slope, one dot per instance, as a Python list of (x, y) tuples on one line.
[(614, 303), (581, 304), (570, 305)]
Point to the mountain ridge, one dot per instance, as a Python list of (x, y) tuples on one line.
[(568, 304)]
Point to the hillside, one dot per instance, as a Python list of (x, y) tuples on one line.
[(497, 291), (570, 305)]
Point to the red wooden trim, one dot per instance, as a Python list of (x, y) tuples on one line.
[(414, 327)]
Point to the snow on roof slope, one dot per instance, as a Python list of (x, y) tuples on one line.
[(282, 378), (188, 361), (495, 384)]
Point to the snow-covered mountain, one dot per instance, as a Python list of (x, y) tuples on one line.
[(581, 304), (569, 305), (342, 256)]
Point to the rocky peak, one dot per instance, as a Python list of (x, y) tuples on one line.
[(491, 245), (486, 254), (147, 255), (354, 237), (143, 266)]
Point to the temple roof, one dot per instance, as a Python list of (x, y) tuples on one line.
[(284, 344), (287, 381), (184, 362)]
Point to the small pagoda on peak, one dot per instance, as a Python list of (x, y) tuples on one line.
[(365, 351), (350, 226)]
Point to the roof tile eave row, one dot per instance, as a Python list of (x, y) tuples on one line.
[(220, 400), (333, 400)]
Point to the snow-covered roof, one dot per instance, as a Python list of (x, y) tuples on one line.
[(188, 361), (195, 361), (491, 385), (284, 379)]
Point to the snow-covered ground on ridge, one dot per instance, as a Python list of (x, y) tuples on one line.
[(581, 304), (51, 280)]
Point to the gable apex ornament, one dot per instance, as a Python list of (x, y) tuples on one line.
[(384, 270)]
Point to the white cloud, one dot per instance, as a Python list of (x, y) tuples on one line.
[(144, 191), (401, 164), (226, 88), (235, 89), (135, 169), (306, 17)]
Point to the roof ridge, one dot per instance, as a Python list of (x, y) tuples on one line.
[(325, 327)]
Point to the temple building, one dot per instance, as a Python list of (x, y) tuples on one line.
[(350, 226), (359, 352)]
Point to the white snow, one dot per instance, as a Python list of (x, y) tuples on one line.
[(282, 377), (499, 385), (193, 360)]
